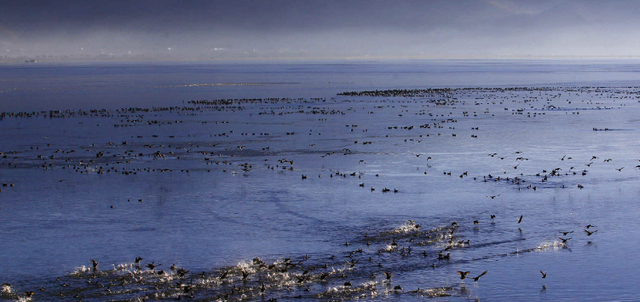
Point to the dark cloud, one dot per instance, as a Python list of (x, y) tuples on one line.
[(248, 28)]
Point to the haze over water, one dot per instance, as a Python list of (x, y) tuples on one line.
[(296, 167)]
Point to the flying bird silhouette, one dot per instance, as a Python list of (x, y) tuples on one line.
[(564, 240), (478, 277), (463, 274)]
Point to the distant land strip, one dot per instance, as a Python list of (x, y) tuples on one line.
[(224, 84)]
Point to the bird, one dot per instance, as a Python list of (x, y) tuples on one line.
[(152, 265), (564, 240), (181, 272), (95, 265), (324, 276), (388, 275), (443, 256), (589, 232), (463, 274), (493, 196), (520, 219), (224, 275), (565, 233), (544, 274), (478, 277), (590, 226)]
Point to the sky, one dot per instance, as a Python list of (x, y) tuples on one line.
[(319, 29)]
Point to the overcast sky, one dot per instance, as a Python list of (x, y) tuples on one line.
[(321, 29)]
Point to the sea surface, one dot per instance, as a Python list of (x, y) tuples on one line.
[(320, 181)]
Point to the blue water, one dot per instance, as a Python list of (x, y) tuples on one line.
[(225, 191)]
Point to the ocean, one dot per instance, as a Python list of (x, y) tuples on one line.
[(320, 181)]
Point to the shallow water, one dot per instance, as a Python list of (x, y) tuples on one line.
[(210, 188)]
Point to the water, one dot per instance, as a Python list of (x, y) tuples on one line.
[(209, 188)]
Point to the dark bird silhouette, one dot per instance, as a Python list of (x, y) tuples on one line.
[(564, 240), (324, 276), (137, 261), (224, 275), (152, 265), (565, 233), (590, 226), (397, 288), (443, 256), (388, 275), (493, 196), (478, 277), (181, 272), (544, 274), (463, 274), (520, 219), (95, 265), (589, 232), (353, 263)]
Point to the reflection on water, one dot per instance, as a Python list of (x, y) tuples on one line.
[(371, 196)]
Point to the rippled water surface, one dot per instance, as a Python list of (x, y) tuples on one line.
[(266, 181)]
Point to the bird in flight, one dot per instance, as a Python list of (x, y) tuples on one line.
[(544, 274), (478, 277), (463, 274), (589, 232), (564, 240)]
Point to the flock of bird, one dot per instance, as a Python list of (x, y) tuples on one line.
[(364, 267), (341, 276)]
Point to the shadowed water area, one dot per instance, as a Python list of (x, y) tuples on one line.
[(338, 181)]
